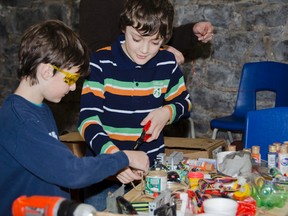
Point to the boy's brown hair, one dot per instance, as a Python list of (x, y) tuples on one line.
[(51, 42), (149, 17)]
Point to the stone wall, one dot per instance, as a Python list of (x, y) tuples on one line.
[(245, 31)]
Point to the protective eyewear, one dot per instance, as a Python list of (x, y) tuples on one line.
[(69, 78)]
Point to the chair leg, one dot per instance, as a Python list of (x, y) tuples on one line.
[(215, 131), (192, 130), (230, 136), (214, 134)]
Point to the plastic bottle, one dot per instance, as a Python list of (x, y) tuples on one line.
[(272, 157), (187, 208), (265, 192), (256, 156), (275, 173), (283, 160)]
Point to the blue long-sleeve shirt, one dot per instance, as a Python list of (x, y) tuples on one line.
[(119, 94), (34, 162)]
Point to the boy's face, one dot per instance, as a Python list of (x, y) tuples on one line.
[(58, 84), (140, 48)]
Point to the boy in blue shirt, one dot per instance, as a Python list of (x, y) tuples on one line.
[(32, 159)]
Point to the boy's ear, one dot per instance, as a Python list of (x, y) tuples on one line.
[(45, 71)]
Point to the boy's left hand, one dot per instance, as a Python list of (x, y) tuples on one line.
[(178, 55), (127, 175), (159, 119)]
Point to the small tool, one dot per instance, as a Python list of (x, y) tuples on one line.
[(125, 206), (143, 136)]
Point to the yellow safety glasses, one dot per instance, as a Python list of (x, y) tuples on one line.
[(69, 78)]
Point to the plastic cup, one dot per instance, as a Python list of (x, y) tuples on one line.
[(194, 178), (220, 206)]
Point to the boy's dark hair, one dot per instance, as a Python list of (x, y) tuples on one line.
[(149, 17), (51, 42)]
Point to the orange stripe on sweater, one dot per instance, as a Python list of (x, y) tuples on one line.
[(179, 92), (105, 48), (95, 92), (123, 137), (111, 150), (126, 92), (87, 124)]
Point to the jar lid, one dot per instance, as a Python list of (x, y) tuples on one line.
[(272, 148), (255, 149), (195, 175), (283, 149)]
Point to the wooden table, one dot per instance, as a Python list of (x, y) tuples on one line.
[(273, 212), (133, 194)]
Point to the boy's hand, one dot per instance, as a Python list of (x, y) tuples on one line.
[(137, 160), (178, 55), (204, 31), (159, 119), (127, 175)]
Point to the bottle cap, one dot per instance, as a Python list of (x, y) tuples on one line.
[(247, 150), (283, 149), (272, 148), (232, 148), (277, 144), (255, 149)]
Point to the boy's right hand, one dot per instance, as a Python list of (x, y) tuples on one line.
[(138, 160)]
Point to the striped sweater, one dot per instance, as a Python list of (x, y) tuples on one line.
[(118, 94)]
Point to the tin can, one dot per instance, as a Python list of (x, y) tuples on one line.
[(156, 182)]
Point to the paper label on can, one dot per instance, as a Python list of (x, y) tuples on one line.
[(155, 184)]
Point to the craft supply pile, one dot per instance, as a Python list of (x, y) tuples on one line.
[(177, 185)]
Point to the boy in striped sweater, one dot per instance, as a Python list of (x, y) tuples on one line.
[(131, 83)]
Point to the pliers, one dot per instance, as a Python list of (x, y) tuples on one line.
[(143, 137)]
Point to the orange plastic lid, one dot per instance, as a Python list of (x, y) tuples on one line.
[(195, 175)]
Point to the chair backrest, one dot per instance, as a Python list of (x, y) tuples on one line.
[(266, 126), (261, 76)]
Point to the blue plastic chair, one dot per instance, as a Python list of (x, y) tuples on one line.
[(256, 77), (264, 127)]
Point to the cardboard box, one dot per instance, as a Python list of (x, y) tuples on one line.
[(194, 148), (75, 142)]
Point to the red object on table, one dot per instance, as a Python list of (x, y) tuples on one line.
[(246, 207)]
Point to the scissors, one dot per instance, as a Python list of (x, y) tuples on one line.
[(143, 137)]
